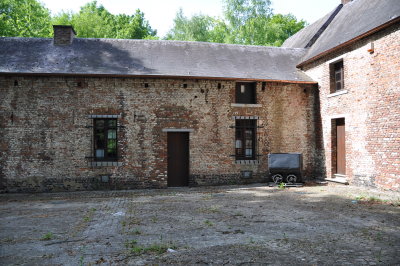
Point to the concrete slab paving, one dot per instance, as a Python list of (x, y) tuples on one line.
[(254, 224)]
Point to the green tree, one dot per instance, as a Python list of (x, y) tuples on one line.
[(245, 22), (197, 28), (280, 27), (24, 18), (239, 12), (95, 21)]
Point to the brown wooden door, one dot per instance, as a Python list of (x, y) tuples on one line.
[(178, 159), (341, 147)]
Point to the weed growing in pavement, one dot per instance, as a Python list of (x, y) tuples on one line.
[(135, 232), (135, 221), (252, 241), (379, 256), (7, 240), (207, 197), (209, 223), (130, 244), (285, 238), (47, 236), (374, 199), (81, 258), (89, 215), (156, 248), (281, 185), (48, 256)]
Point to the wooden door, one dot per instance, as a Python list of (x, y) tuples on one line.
[(340, 147), (178, 159)]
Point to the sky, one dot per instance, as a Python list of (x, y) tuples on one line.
[(160, 13)]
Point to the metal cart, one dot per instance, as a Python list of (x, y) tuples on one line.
[(285, 167)]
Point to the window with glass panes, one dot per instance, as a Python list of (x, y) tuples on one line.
[(105, 139), (245, 140), (336, 76)]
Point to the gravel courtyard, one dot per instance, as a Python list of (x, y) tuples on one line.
[(255, 224)]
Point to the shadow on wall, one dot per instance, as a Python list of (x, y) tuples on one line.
[(319, 155)]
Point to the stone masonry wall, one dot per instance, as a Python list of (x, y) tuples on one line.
[(370, 106), (46, 134)]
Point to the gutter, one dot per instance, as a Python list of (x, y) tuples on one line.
[(155, 77), (351, 41)]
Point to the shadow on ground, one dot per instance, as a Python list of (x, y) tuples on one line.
[(219, 225)]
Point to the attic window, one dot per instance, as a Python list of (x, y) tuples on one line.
[(246, 92), (336, 76)]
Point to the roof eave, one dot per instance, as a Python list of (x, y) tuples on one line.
[(154, 76), (351, 41)]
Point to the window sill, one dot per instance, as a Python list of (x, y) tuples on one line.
[(251, 105), (96, 164), (337, 93), (247, 162)]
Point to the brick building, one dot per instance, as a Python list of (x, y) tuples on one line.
[(78, 114)]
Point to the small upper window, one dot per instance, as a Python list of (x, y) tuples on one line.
[(105, 139), (246, 92), (336, 76)]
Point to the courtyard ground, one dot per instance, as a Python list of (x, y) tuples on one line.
[(254, 224)]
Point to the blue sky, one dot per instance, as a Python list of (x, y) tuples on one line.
[(160, 13)]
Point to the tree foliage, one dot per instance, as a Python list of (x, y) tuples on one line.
[(197, 28), (245, 22), (24, 18), (29, 18), (94, 21)]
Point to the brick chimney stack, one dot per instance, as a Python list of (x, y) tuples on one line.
[(346, 1), (63, 35)]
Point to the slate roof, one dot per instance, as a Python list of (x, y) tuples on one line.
[(301, 38), (354, 19), (153, 58)]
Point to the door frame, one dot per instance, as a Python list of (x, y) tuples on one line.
[(178, 130), (334, 146)]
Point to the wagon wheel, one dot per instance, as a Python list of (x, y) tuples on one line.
[(277, 178), (291, 179)]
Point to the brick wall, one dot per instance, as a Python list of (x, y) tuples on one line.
[(46, 133), (370, 107)]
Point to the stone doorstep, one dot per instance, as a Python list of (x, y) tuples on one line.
[(342, 179)]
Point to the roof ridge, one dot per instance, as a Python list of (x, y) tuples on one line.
[(324, 26), (191, 42)]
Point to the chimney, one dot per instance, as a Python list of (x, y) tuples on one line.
[(346, 1), (63, 35)]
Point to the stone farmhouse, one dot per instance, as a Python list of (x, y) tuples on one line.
[(83, 114)]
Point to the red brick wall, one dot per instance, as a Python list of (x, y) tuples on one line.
[(371, 108), (46, 133)]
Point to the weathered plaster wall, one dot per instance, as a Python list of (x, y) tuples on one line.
[(371, 108), (46, 134)]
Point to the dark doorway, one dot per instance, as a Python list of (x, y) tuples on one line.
[(340, 147), (178, 159)]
